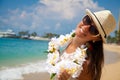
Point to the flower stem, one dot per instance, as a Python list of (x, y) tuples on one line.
[(52, 76)]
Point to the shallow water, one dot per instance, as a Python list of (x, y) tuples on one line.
[(20, 56), (21, 51)]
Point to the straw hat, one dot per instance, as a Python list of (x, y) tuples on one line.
[(104, 22)]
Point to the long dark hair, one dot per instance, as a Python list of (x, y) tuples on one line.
[(96, 58)]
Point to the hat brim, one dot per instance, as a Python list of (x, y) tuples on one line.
[(89, 13)]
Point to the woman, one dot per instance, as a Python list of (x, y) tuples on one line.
[(91, 32)]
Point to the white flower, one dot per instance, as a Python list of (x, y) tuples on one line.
[(53, 45), (53, 58), (69, 66)]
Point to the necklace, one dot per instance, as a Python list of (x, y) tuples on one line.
[(54, 62)]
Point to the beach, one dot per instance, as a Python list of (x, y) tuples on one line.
[(111, 69)]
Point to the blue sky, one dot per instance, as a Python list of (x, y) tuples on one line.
[(56, 16)]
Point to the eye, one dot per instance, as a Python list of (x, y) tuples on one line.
[(93, 30)]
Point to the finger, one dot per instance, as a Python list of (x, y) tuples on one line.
[(65, 75), (62, 76)]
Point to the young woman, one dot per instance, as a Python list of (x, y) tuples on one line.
[(90, 32)]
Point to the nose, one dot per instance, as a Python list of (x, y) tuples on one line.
[(86, 28)]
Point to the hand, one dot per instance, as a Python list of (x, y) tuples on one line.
[(63, 76)]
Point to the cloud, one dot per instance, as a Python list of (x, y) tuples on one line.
[(57, 26), (47, 15), (23, 14), (68, 9)]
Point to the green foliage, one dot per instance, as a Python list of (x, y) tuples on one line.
[(26, 33), (46, 35), (33, 34), (23, 33), (50, 35), (115, 39)]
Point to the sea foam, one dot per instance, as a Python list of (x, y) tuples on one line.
[(17, 72)]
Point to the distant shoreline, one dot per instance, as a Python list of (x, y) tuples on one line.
[(40, 38)]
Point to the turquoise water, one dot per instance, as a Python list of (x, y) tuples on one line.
[(20, 51)]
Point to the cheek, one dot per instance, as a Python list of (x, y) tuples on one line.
[(77, 31)]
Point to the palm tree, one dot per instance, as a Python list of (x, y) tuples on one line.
[(34, 34)]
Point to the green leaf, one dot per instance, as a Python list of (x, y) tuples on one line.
[(52, 76), (73, 35), (50, 51), (46, 52), (75, 61)]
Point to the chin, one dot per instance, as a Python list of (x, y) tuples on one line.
[(80, 35)]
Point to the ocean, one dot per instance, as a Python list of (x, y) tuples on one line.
[(21, 56)]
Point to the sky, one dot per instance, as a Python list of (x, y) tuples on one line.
[(55, 16)]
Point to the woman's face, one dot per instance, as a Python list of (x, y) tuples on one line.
[(86, 30)]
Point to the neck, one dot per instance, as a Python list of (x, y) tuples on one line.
[(77, 42)]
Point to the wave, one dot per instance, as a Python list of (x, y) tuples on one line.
[(17, 72)]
